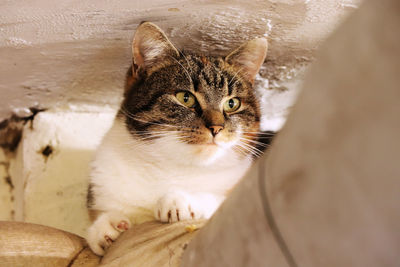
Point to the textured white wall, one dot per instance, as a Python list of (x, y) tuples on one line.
[(51, 167), (54, 53)]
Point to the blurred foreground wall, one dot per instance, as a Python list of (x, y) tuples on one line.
[(328, 192)]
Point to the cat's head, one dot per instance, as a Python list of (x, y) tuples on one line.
[(205, 105)]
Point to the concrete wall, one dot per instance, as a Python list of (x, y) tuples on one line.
[(78, 50)]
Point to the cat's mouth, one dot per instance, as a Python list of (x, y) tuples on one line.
[(205, 141), (214, 144)]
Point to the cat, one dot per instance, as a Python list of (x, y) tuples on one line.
[(186, 132)]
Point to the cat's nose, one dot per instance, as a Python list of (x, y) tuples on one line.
[(215, 129)]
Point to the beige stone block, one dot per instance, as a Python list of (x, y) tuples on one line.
[(52, 166)]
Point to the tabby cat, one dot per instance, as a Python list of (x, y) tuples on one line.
[(186, 132)]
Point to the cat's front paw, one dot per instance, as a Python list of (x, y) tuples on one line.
[(177, 206), (105, 230)]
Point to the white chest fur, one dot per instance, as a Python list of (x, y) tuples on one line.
[(130, 176)]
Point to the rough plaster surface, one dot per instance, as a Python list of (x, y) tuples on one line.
[(6, 189), (51, 168), (78, 51)]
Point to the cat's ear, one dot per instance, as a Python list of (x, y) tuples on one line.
[(249, 57), (150, 47)]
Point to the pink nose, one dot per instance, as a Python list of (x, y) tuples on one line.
[(215, 129)]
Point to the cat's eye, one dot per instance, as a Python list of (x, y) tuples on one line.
[(231, 105), (186, 99)]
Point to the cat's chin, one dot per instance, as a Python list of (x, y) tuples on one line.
[(208, 154), (204, 153), (211, 152), (207, 148)]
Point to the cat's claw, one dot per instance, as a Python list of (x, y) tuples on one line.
[(105, 230), (176, 206), (108, 239)]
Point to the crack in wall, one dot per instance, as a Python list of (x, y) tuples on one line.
[(8, 182)]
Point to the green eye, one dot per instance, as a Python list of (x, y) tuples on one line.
[(186, 99), (231, 105)]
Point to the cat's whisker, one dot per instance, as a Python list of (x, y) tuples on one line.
[(178, 129), (240, 150), (246, 140), (235, 76), (147, 122), (254, 142), (160, 136), (244, 149), (146, 134), (155, 123), (150, 136), (251, 149), (259, 133), (257, 144), (173, 135), (153, 132), (187, 73), (184, 56)]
